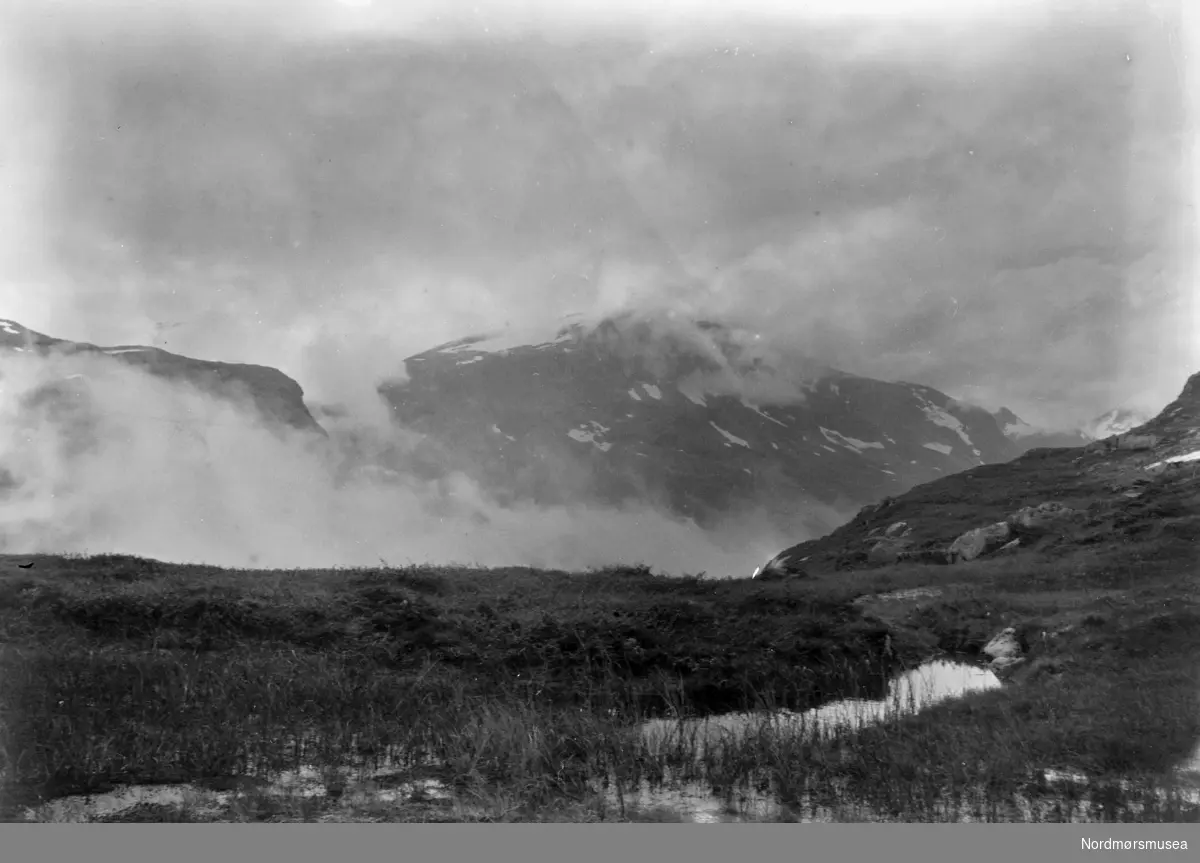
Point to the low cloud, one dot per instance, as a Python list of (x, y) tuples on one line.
[(329, 190), (101, 457)]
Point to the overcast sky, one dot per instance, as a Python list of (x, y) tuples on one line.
[(994, 202)]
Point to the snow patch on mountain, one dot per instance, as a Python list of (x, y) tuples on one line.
[(588, 433), (939, 417), (1175, 459), (849, 442), (540, 335), (763, 414), (633, 394), (652, 391), (732, 438), (496, 430), (938, 447)]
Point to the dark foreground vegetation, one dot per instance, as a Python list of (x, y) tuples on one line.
[(522, 690)]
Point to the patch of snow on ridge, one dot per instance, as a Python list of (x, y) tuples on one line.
[(538, 335), (1176, 459), (944, 449), (762, 414), (124, 350), (732, 438), (633, 394), (588, 432), (652, 391), (939, 417), (849, 442)]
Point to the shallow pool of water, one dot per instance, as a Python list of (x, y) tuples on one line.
[(908, 693)]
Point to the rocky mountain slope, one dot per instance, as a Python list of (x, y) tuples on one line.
[(276, 397), (1140, 484), (698, 418)]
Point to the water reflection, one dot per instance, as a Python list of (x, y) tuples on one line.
[(910, 692)]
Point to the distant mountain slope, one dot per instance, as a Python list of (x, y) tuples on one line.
[(1026, 437), (276, 396), (694, 417), (1114, 422), (1141, 483)]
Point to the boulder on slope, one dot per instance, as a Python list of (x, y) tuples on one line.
[(978, 542)]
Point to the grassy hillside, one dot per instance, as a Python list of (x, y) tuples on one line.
[(521, 689)]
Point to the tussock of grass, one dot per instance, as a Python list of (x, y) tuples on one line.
[(522, 690)]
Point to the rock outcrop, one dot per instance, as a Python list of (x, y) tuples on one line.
[(978, 542), (780, 568), (1137, 441), (1042, 516), (891, 545), (1004, 649)]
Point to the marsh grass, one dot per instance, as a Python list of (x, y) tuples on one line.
[(522, 693)]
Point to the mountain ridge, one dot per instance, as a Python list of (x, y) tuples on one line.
[(699, 416), (1107, 487), (277, 398)]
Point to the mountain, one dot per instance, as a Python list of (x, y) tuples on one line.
[(1137, 485), (698, 417), (1115, 422), (277, 398), (1026, 437)]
